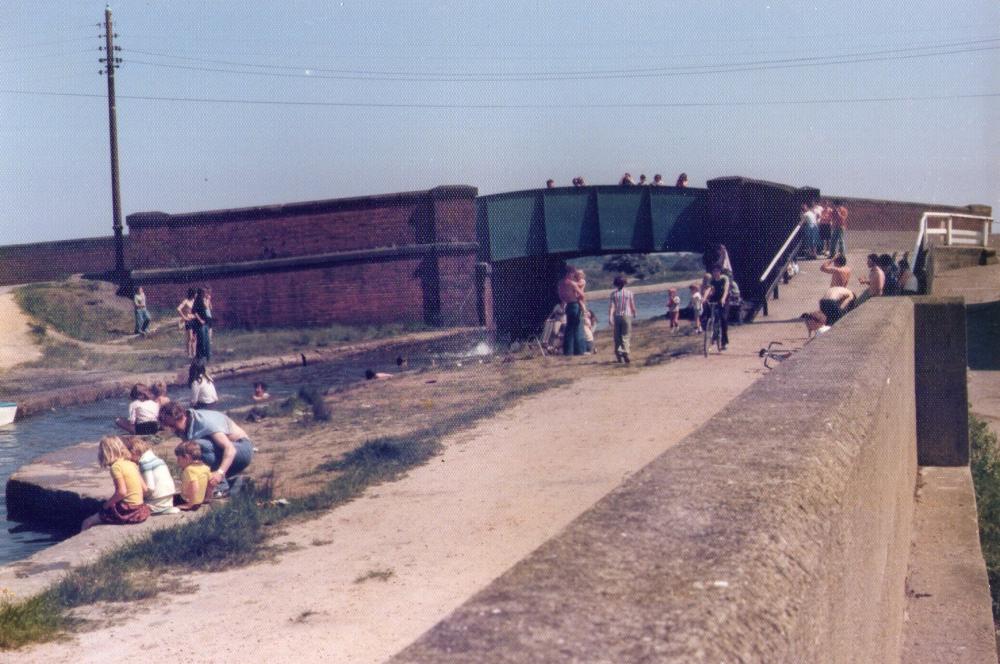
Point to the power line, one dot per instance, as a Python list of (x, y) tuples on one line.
[(638, 105), (617, 44), (49, 43), (913, 49), (580, 76)]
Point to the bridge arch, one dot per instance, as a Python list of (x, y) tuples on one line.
[(527, 236)]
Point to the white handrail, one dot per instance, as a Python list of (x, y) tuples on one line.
[(953, 236), (795, 231)]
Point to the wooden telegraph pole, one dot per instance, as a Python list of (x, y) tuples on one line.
[(110, 64)]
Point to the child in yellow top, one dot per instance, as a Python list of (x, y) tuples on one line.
[(194, 475), (125, 505)]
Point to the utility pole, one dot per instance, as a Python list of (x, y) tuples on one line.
[(110, 64)]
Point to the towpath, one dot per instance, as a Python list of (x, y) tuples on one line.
[(366, 579), (18, 346)]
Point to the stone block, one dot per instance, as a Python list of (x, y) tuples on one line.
[(940, 360)]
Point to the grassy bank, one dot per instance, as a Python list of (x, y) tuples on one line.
[(316, 459), (90, 312), (227, 536), (985, 464)]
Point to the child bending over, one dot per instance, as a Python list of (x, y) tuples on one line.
[(126, 505), (194, 475), (160, 487)]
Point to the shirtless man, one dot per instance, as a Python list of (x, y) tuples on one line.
[(836, 302), (571, 295), (840, 274), (876, 277)]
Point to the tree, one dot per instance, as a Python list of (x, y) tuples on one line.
[(639, 266)]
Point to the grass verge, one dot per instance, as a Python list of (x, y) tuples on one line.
[(985, 465), (228, 536)]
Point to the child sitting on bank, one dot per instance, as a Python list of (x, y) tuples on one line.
[(160, 489), (673, 307), (194, 475), (142, 412), (125, 505), (696, 307)]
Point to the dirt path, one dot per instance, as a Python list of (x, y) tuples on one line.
[(446, 530), (18, 345)]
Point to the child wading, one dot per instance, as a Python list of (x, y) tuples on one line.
[(125, 505)]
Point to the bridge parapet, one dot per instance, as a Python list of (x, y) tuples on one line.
[(779, 532)]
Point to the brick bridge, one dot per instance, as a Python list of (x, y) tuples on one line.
[(442, 257)]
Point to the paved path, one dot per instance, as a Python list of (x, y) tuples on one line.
[(450, 527), (18, 345)]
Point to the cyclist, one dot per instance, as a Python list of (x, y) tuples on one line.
[(718, 296)]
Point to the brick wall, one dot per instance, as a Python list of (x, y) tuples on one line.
[(867, 214), (50, 261), (437, 287)]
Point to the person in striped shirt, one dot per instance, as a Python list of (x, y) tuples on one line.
[(621, 311)]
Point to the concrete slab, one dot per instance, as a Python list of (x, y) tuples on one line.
[(30, 576), (948, 608)]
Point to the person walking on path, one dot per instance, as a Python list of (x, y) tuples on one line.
[(718, 296), (839, 218), (572, 296), (142, 318), (621, 311)]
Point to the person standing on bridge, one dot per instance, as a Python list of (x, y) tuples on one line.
[(837, 268), (571, 294), (621, 311), (839, 219)]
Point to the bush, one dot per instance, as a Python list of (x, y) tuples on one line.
[(312, 396), (985, 466)]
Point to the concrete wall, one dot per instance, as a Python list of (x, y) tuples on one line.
[(779, 532), (50, 261)]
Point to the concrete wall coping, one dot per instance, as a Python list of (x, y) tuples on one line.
[(293, 263), (154, 219), (754, 539)]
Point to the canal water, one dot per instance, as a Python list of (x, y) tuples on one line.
[(25, 440)]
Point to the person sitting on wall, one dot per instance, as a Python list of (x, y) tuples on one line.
[(550, 184), (876, 279), (682, 180), (658, 180), (836, 302), (626, 180)]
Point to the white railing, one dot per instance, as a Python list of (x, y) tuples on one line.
[(944, 225), (777, 256)]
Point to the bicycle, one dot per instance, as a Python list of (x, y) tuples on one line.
[(713, 327), (771, 353)]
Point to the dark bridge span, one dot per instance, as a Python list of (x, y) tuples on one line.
[(527, 236)]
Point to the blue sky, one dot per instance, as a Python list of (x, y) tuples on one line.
[(232, 104)]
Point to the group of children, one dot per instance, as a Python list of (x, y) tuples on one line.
[(143, 483)]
